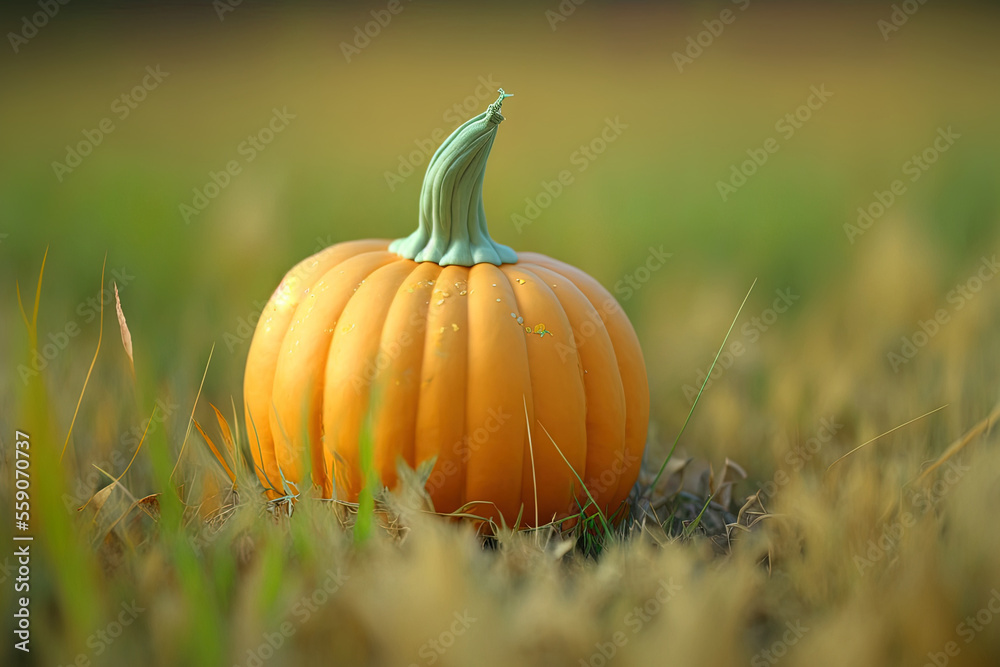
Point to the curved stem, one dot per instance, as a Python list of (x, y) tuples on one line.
[(452, 228)]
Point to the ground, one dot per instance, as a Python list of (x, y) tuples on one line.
[(846, 166)]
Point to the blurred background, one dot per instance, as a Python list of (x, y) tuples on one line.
[(742, 138), (843, 156)]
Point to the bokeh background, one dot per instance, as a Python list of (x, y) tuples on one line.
[(323, 178), (356, 114)]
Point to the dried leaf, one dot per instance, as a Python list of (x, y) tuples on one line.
[(698, 478), (126, 334), (107, 508), (227, 433), (752, 513), (670, 482), (98, 499), (215, 451), (733, 471), (723, 491), (150, 505)]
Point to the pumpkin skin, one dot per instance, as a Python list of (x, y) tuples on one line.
[(476, 366)]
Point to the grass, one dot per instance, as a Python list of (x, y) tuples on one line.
[(893, 529), (818, 507)]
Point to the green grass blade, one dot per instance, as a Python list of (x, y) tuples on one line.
[(700, 390)]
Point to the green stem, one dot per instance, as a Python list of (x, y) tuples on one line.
[(452, 229)]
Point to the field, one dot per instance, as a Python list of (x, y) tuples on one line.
[(830, 498)]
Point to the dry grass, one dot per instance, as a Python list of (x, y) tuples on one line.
[(882, 559)]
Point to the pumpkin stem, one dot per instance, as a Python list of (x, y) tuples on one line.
[(452, 228)]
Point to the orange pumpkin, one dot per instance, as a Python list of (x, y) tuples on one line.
[(497, 364)]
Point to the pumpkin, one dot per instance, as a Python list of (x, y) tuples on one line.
[(516, 375)]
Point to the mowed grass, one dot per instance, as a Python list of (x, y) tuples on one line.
[(880, 559)]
